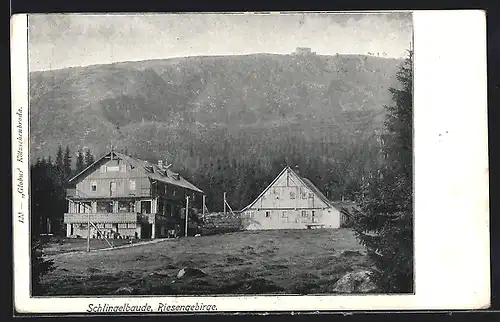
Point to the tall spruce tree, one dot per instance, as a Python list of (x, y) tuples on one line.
[(89, 158), (67, 164), (80, 161), (386, 226), (59, 164)]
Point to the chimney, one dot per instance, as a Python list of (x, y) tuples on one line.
[(160, 164)]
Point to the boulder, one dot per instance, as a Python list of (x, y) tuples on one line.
[(190, 272), (124, 290), (159, 273), (355, 282), (349, 253)]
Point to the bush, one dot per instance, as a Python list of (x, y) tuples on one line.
[(39, 266)]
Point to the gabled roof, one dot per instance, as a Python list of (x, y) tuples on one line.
[(150, 170), (318, 192), (267, 188), (306, 182)]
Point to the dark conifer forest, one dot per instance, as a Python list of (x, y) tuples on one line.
[(228, 124)]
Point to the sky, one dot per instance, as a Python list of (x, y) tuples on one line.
[(67, 40)]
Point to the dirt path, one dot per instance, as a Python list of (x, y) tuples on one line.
[(78, 252)]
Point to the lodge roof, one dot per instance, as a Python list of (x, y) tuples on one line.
[(151, 170)]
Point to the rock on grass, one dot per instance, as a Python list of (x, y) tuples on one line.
[(355, 282), (190, 272), (124, 290), (350, 253)]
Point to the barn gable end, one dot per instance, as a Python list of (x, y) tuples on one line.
[(290, 201)]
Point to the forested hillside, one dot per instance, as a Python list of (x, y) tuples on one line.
[(228, 123)]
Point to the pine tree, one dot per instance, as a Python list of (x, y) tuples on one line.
[(89, 158), (60, 159), (80, 161), (67, 164), (386, 226)]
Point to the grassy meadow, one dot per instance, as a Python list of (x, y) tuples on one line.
[(260, 262)]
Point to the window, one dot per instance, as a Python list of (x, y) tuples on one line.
[(126, 206), (268, 214), (112, 188), (304, 213), (146, 207), (103, 168), (113, 168), (284, 214), (292, 194), (123, 167), (131, 185), (311, 195), (160, 207), (105, 206), (303, 193), (312, 215), (93, 186)]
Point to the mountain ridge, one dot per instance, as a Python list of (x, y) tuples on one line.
[(186, 97)]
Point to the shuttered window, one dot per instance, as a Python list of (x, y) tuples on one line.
[(131, 185)]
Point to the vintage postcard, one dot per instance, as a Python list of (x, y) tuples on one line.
[(225, 162)]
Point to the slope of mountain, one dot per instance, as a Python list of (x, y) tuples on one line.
[(174, 108)]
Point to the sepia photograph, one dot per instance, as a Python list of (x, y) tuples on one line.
[(221, 154), (203, 159)]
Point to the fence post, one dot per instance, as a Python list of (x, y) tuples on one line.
[(88, 232), (187, 212)]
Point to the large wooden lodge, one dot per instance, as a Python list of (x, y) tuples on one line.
[(124, 197)]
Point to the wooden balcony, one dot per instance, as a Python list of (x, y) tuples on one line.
[(121, 218), (71, 192)]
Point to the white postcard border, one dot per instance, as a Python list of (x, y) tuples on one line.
[(452, 265)]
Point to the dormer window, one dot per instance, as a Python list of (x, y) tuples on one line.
[(149, 169)]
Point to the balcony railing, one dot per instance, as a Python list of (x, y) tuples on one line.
[(77, 194), (124, 217), (71, 192)]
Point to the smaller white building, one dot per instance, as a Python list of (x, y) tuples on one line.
[(290, 202)]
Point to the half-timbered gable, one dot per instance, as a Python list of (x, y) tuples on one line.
[(290, 202)]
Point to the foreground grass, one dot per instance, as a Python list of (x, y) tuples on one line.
[(292, 262)]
